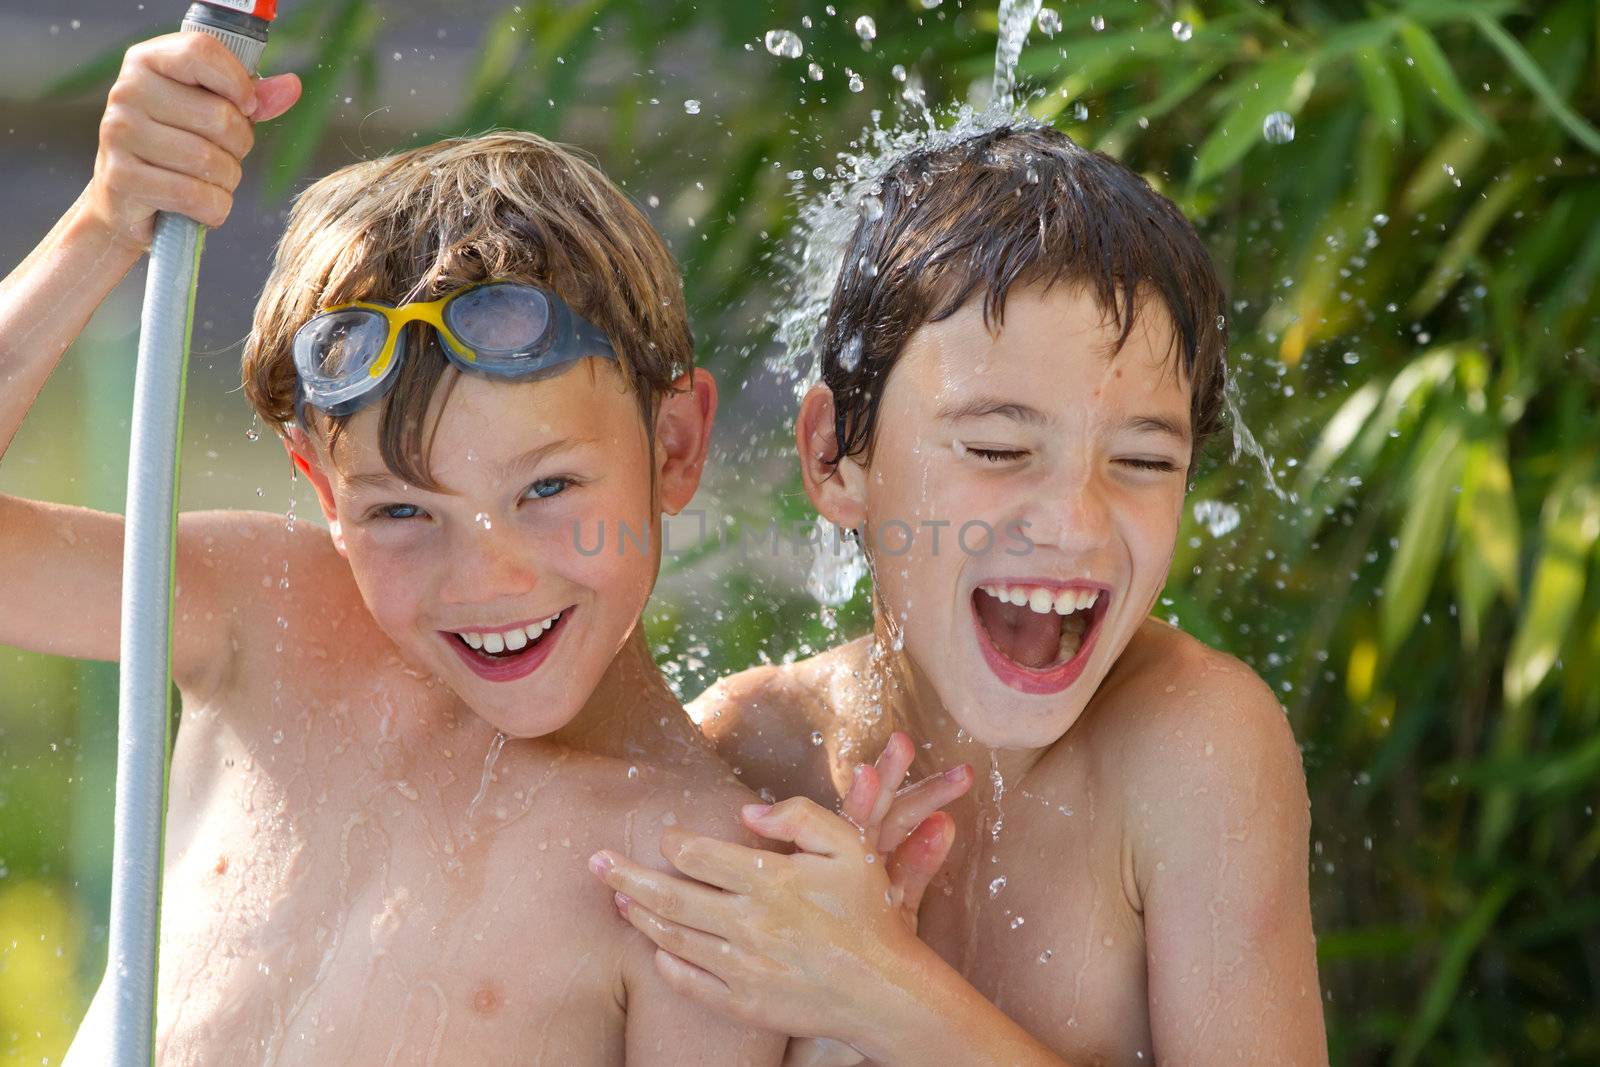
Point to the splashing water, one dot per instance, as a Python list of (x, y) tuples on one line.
[(495, 746), (1016, 19), (837, 565), (783, 43), (1219, 519)]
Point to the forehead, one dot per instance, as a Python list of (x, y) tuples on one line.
[(478, 418), (1055, 351)]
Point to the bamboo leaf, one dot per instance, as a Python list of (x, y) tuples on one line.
[(1446, 980), (1281, 83), (1487, 534), (1435, 70), (1501, 196), (1422, 536), (349, 33), (1382, 92), (1570, 529), (1529, 71)]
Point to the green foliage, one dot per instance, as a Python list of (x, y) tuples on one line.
[(1416, 342)]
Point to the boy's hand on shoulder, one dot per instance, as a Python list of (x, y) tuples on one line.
[(177, 124), (799, 943), (1222, 872)]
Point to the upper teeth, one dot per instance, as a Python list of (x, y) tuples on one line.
[(512, 639), (1041, 599)]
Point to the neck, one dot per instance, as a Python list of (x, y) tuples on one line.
[(631, 715), (910, 703)]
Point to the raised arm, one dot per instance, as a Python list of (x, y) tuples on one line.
[(176, 125)]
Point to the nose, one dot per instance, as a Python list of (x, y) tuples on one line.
[(1072, 513), (487, 564)]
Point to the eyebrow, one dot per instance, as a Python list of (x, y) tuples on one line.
[(982, 406), (532, 457), (1162, 424)]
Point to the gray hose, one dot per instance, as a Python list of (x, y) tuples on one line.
[(148, 559)]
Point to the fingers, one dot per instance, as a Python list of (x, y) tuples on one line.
[(675, 899), (893, 763), (197, 59), (162, 190), (912, 866), (805, 823), (695, 983), (916, 802), (862, 796), (275, 95), (720, 863), (706, 951)]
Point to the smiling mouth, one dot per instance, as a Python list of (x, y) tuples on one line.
[(502, 646), (1037, 628)]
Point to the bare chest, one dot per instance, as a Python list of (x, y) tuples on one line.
[(332, 898), (1038, 917)]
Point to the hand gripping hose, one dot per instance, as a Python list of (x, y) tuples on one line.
[(148, 558)]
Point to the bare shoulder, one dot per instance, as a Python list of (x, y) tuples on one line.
[(763, 720), (1205, 748), (289, 586)]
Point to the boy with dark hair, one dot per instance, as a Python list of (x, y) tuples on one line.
[(1024, 354), (466, 348)]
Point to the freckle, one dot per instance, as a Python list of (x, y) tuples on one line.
[(222, 865), (487, 999)]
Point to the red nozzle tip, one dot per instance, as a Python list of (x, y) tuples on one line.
[(265, 10)]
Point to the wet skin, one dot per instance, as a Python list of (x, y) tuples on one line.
[(1128, 880), (346, 880)]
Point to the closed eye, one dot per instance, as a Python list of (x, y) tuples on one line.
[(1164, 465), (995, 455)]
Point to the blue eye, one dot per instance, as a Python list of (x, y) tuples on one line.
[(396, 511), (546, 487)]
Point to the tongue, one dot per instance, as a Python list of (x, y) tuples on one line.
[(1028, 637)]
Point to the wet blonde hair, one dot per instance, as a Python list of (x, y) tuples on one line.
[(429, 221)]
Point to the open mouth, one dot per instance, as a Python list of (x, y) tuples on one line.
[(503, 655), (1036, 637)]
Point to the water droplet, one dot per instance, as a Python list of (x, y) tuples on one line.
[(1097, 23), (816, 737), (482, 519), (1182, 30), (898, 71), (1044, 957), (997, 885), (1351, 359), (633, 772), (866, 28), (1278, 128), (872, 211), (1018, 921), (692, 106), (850, 354), (814, 72), (253, 431), (1049, 21), (856, 84), (784, 43), (929, 5), (1219, 519), (1080, 111)]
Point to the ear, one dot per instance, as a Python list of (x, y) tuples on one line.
[(837, 490), (306, 460), (683, 434)]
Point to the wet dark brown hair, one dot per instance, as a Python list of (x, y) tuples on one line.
[(1015, 206), (432, 220)]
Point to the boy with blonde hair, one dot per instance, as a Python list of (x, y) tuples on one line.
[(401, 735)]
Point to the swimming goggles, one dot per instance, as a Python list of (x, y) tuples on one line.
[(346, 356)]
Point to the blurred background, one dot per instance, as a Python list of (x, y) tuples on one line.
[(1404, 203)]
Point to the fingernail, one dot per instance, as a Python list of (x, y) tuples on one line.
[(956, 774), (250, 106), (601, 864), (622, 901), (756, 811), (855, 775)]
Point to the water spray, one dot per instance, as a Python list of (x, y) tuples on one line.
[(148, 557)]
